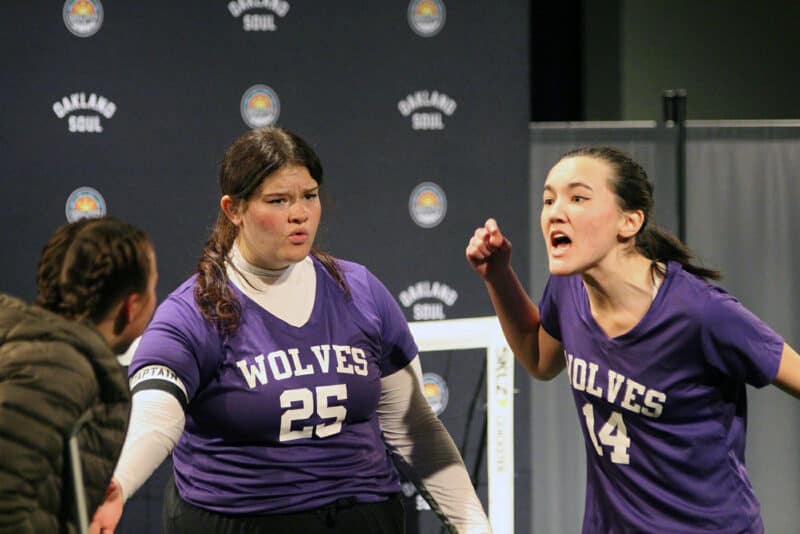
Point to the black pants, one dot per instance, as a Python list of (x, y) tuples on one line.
[(345, 516)]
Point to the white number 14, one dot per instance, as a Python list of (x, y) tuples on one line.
[(612, 434)]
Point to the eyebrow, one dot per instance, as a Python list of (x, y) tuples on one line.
[(283, 192), (571, 185)]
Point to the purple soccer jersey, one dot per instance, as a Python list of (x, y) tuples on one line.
[(283, 418), (663, 407)]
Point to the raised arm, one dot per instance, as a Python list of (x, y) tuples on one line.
[(489, 254)]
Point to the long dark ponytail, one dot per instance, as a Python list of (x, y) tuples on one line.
[(635, 192), (247, 162)]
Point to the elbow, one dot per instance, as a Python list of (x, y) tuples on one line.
[(541, 371), (545, 375)]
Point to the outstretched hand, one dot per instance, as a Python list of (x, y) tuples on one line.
[(109, 512), (488, 252)]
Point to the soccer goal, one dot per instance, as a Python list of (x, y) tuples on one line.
[(485, 333)]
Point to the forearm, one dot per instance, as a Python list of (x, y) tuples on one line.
[(412, 429), (157, 422), (518, 316)]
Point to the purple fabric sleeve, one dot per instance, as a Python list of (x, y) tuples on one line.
[(548, 309), (378, 305), (737, 343), (173, 337)]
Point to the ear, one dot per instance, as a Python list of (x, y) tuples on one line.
[(122, 315), (630, 223), (231, 208)]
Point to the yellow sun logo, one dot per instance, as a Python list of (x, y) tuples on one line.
[(82, 7), (260, 101), (85, 204), (426, 8)]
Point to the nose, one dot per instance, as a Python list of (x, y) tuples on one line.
[(554, 211), (298, 213)]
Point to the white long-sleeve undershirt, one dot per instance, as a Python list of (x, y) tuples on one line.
[(409, 425)]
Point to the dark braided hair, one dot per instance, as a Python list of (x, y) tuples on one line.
[(88, 265), (635, 192), (248, 161)]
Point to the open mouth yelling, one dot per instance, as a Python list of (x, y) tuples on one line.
[(559, 243)]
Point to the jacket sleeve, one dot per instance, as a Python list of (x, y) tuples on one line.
[(44, 388)]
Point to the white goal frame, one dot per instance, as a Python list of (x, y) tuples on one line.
[(485, 333)]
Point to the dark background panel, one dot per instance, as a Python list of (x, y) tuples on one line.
[(176, 73)]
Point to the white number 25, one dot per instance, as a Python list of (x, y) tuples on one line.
[(306, 408)]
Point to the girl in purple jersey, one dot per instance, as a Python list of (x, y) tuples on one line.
[(283, 381), (657, 357)]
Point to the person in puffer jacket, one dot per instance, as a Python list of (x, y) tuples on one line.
[(96, 294)]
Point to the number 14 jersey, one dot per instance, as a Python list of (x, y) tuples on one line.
[(663, 407)]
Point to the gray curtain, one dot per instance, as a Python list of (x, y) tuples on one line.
[(741, 192), (742, 218)]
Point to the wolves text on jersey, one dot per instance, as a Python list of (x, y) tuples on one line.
[(282, 364), (619, 389)]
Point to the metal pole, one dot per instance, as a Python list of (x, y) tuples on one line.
[(674, 110)]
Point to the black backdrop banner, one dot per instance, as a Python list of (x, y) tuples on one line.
[(418, 110)]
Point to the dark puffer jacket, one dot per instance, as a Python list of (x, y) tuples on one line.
[(52, 370)]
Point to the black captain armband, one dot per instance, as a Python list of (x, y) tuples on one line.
[(162, 378)]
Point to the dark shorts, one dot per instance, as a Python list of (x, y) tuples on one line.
[(344, 516)]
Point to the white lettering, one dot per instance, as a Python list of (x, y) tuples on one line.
[(426, 99), (428, 290), (615, 381), (322, 352), (79, 101), (259, 23), (428, 311), (637, 398), (591, 388), (279, 357), (570, 357), (632, 388), (109, 110), (237, 7), (299, 370), (360, 359), (654, 403), (427, 121), (342, 364), (579, 374), (251, 373), (283, 364), (81, 123)]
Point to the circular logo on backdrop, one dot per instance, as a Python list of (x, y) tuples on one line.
[(426, 17), (83, 17), (84, 203), (436, 391), (260, 106), (427, 205)]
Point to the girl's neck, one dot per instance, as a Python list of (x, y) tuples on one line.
[(238, 259), (621, 291)]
